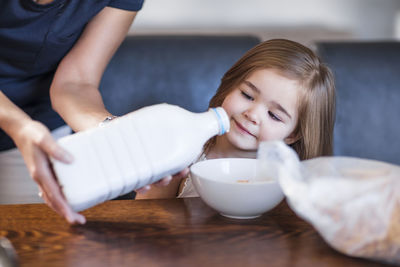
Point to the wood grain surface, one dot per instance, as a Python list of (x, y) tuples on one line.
[(176, 232)]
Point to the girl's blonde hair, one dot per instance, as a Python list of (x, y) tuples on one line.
[(316, 110)]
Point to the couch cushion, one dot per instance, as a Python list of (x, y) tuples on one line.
[(367, 76), (182, 70)]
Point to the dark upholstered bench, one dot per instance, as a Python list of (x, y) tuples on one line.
[(367, 76)]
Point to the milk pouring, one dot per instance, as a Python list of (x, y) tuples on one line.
[(132, 151)]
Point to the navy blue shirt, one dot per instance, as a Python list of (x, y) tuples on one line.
[(33, 40)]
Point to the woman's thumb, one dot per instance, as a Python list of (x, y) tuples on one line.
[(53, 149)]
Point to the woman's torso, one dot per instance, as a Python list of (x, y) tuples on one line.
[(34, 38)]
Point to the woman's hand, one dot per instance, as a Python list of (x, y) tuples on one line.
[(36, 146), (164, 181)]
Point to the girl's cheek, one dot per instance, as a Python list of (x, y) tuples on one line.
[(271, 132), (228, 105), (263, 135)]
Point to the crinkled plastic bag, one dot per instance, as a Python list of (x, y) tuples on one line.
[(353, 203)]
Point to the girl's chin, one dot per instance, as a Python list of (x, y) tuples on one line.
[(242, 143)]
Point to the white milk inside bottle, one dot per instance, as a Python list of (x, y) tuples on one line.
[(134, 150)]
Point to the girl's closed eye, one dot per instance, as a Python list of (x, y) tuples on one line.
[(247, 96), (273, 116)]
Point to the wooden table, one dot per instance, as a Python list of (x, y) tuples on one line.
[(176, 232)]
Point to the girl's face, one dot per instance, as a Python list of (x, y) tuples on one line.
[(262, 108)]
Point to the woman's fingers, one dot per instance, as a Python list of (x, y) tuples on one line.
[(53, 149), (182, 174), (37, 146), (51, 191), (45, 177), (143, 189), (164, 181)]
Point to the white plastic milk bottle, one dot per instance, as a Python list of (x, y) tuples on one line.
[(134, 150)]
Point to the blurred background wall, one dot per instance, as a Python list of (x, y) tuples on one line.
[(304, 21)]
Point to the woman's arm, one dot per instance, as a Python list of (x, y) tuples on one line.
[(36, 145), (74, 91), (12, 118)]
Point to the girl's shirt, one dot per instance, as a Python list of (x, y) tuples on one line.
[(33, 40), (188, 189)]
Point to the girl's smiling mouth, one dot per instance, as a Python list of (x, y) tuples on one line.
[(242, 129)]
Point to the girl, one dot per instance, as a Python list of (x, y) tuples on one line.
[(279, 90)]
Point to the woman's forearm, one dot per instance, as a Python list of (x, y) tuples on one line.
[(74, 91), (12, 118), (80, 105)]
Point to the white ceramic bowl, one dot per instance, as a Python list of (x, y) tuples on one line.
[(234, 188)]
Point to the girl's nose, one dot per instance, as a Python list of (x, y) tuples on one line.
[(252, 115)]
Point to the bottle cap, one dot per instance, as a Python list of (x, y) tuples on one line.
[(223, 120)]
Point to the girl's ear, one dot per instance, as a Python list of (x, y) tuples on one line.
[(292, 138)]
